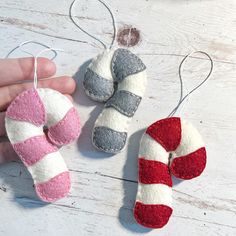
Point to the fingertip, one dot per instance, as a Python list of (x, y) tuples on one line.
[(70, 84), (46, 67)]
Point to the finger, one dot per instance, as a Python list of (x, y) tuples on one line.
[(7, 153), (17, 69), (63, 84), (2, 124)]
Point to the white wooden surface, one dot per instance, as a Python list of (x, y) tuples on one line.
[(104, 187)]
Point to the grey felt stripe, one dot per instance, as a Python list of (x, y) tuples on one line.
[(125, 63), (108, 140), (125, 102), (97, 87)]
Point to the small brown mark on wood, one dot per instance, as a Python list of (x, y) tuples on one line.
[(128, 36)]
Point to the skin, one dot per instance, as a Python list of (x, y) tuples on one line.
[(16, 75)]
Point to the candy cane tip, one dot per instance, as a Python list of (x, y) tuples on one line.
[(152, 216), (54, 189)]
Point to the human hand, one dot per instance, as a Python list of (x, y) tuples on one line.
[(16, 75)]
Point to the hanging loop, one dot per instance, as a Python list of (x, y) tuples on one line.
[(183, 98)]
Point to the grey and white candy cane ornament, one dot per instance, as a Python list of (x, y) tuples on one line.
[(118, 78)]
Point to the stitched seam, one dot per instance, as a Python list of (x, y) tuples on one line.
[(15, 102), (114, 132), (61, 122), (50, 149), (118, 108), (59, 196)]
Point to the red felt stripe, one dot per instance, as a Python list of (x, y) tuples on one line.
[(189, 166), (154, 172), (167, 132), (152, 216)]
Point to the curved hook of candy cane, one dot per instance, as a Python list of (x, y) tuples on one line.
[(90, 35), (47, 48), (182, 98)]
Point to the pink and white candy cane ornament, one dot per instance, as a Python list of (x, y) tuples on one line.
[(169, 146), (26, 118)]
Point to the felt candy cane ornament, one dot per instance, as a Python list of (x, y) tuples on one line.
[(118, 78), (169, 146), (26, 117), (125, 70)]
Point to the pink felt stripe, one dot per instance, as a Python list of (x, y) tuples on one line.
[(66, 130), (27, 107), (54, 189), (33, 149)]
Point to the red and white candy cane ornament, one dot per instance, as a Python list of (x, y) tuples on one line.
[(169, 146), (26, 118)]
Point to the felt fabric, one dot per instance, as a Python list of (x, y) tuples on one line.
[(113, 119), (189, 166), (167, 137), (33, 149), (152, 216), (98, 81), (125, 63), (28, 107), (66, 130), (19, 131), (130, 84), (108, 140), (154, 172), (153, 206), (128, 74), (53, 189), (97, 87), (125, 102), (56, 105), (152, 150), (167, 132), (42, 170), (38, 150), (154, 194)]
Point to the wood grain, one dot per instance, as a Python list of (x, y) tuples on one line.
[(104, 187)]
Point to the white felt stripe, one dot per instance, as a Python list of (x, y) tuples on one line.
[(191, 140), (152, 150), (135, 83), (48, 167), (56, 105), (19, 131), (154, 194), (101, 65), (113, 119)]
